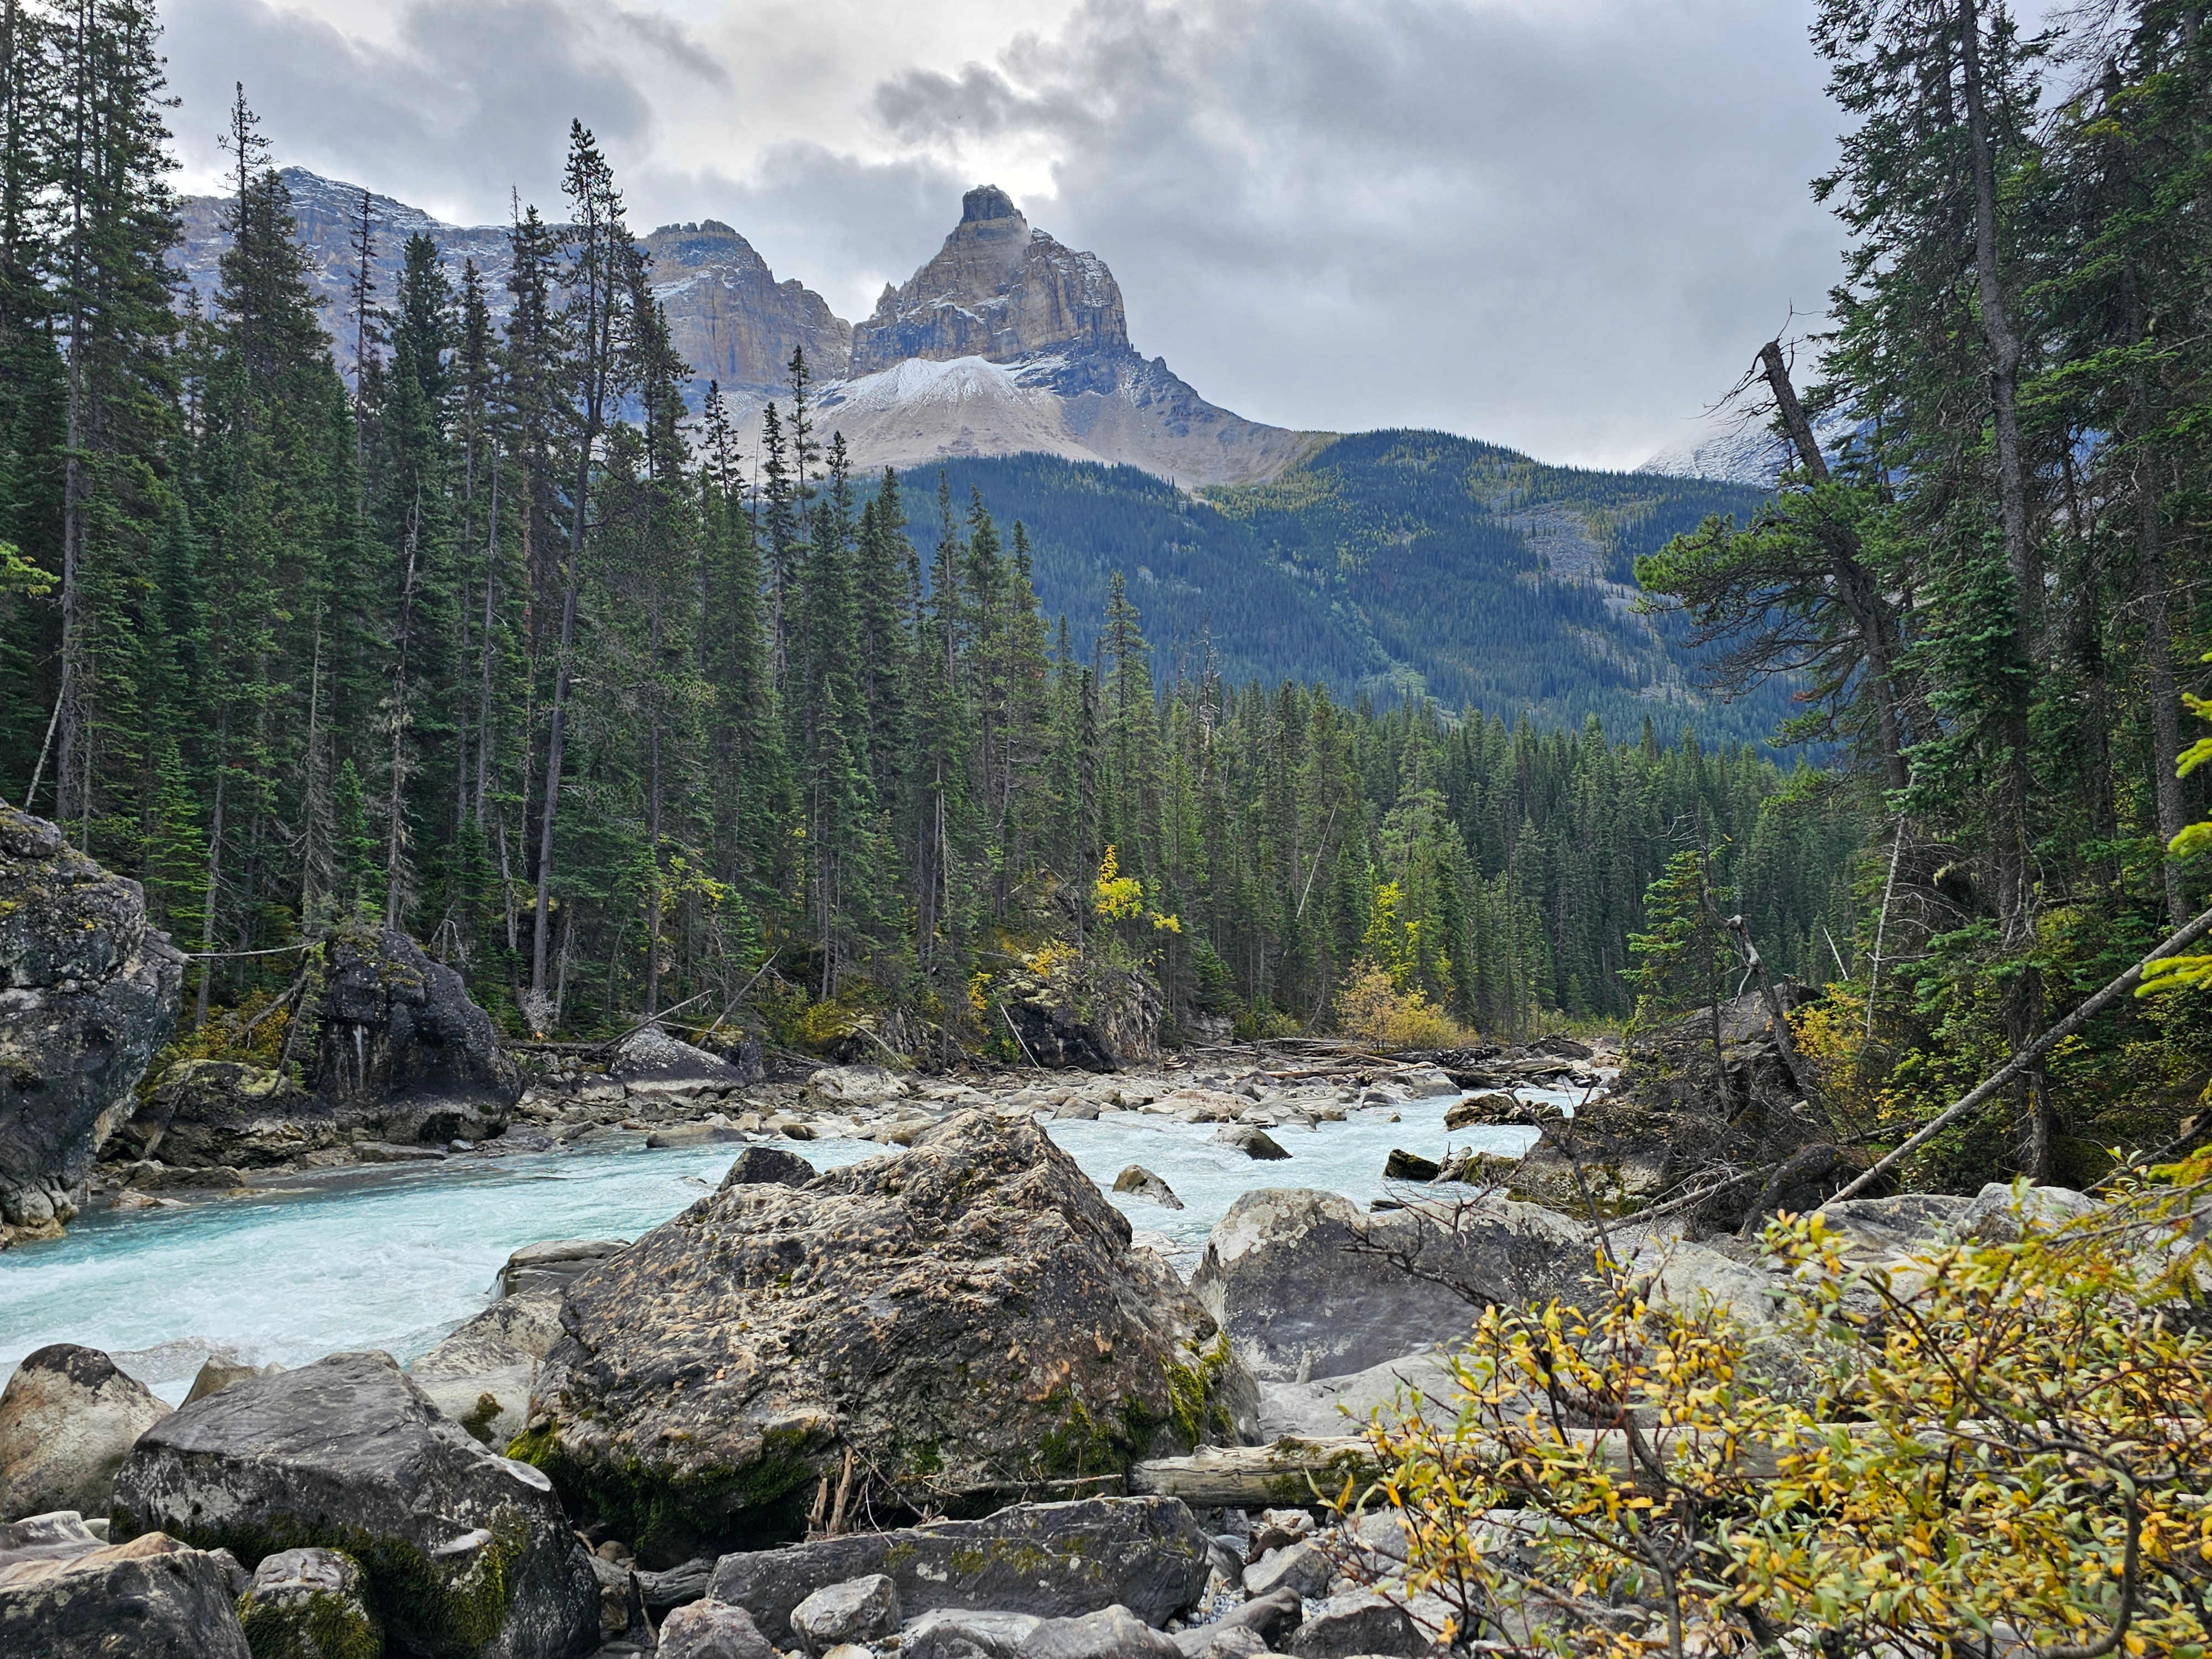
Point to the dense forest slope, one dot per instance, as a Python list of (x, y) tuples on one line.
[(1390, 564)]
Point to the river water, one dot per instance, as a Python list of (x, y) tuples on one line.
[(396, 1258)]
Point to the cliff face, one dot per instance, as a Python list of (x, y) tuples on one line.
[(730, 318), (997, 290)]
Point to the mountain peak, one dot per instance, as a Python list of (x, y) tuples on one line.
[(986, 202), (996, 290)]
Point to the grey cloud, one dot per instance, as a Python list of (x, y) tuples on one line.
[(1558, 229), (468, 100)]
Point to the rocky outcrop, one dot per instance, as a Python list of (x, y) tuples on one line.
[(72, 1597), (67, 1421), (88, 993), (1088, 1016), (996, 290), (462, 1550), (966, 1319), (218, 1114), (1304, 1285), (401, 1045), (1049, 1560)]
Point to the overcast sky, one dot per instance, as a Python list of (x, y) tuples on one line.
[(1564, 225)]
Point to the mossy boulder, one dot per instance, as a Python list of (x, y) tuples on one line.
[(967, 1320), (463, 1554), (88, 993), (308, 1604)]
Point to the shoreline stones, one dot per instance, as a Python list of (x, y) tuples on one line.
[(1048, 1560), (1142, 1184), (64, 1595), (966, 1318)]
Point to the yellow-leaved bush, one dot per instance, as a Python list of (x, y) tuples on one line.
[(1982, 1448)]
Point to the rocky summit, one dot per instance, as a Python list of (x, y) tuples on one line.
[(947, 1328), (1004, 341)]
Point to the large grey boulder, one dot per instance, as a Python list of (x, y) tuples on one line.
[(68, 1419), (150, 1598), (401, 1045), (958, 1633), (88, 993), (651, 1065), (1356, 1623), (1325, 1405), (551, 1267), (463, 1551), (964, 1318), (1299, 1282), (1052, 1560), (2002, 1213)]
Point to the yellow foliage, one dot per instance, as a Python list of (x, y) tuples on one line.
[(1115, 896), (2001, 1447), (1372, 1008)]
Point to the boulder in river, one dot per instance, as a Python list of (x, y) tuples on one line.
[(64, 1595), (1141, 1182), (88, 993), (219, 1113), (480, 1376), (554, 1265), (1250, 1140), (1052, 1560), (770, 1166), (68, 1419), (400, 1042), (652, 1065), (968, 1319), (462, 1550), (1304, 1286)]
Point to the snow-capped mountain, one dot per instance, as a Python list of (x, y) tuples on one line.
[(1005, 341), (1737, 443)]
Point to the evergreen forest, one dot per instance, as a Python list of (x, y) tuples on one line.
[(627, 713)]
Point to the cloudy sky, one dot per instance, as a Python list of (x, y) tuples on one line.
[(1564, 225)]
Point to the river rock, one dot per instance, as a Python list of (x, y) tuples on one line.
[(769, 1166), (68, 1419), (964, 1317), (462, 1549), (856, 1085), (1356, 1623), (206, 1113), (864, 1609), (1253, 1141), (1402, 1165), (958, 1633), (308, 1604), (1272, 1617), (401, 1045), (1425, 1082), (88, 993), (1109, 1633), (150, 1598), (480, 1376), (682, 1135), (1284, 1275), (1326, 1406), (1142, 1182), (654, 1066), (1485, 1108), (214, 1376), (1052, 1560), (712, 1630), (553, 1265), (1301, 1567)]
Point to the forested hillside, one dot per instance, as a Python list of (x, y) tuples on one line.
[(621, 713), (1394, 564)]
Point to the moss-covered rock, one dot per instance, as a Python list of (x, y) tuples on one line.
[(461, 1553), (967, 1320), (308, 1604)]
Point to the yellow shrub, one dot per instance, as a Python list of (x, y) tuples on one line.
[(1373, 1009)]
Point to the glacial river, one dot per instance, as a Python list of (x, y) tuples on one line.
[(396, 1258)]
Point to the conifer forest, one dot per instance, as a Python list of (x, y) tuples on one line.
[(504, 640)]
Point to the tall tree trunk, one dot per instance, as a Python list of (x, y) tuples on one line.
[(395, 802)]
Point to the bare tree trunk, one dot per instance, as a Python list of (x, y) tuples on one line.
[(483, 689), (395, 802), (214, 866), (68, 760)]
